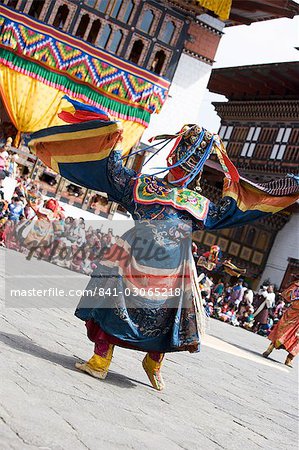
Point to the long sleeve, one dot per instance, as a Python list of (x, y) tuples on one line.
[(244, 202), (120, 177), (84, 153), (109, 175)]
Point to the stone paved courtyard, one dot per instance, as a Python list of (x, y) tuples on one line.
[(227, 396)]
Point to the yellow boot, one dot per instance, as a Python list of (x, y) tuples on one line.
[(289, 359), (152, 369), (268, 351), (97, 366)]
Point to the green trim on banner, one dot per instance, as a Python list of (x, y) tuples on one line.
[(75, 89)]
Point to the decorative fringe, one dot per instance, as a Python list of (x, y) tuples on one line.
[(57, 51), (76, 89)]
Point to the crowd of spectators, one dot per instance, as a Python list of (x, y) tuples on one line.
[(238, 305), (28, 225)]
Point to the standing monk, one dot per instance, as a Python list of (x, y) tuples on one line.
[(285, 334)]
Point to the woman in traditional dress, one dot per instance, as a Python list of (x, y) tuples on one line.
[(145, 290), (264, 303), (285, 334)]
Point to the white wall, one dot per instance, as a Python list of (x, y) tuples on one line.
[(183, 105), (286, 245)]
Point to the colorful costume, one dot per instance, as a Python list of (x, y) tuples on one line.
[(285, 334), (211, 259), (147, 297)]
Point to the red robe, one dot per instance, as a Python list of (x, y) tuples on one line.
[(286, 332)]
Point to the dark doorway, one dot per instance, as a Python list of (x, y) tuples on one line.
[(61, 17), (136, 51), (83, 26), (13, 3), (94, 31), (36, 8), (158, 62)]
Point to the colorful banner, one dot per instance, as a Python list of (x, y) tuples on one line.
[(220, 7), (63, 54), (39, 64)]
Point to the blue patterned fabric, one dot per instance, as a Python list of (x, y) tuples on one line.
[(163, 325)]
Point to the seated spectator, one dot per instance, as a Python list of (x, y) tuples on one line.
[(279, 309), (77, 233), (88, 264), (9, 235), (248, 295), (242, 308), (3, 221), (222, 312), (233, 319), (16, 209), (227, 290), (237, 293), (264, 329), (248, 318), (205, 284), (3, 208), (77, 259), (218, 291)]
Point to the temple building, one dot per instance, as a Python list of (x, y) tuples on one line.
[(120, 55), (143, 61), (260, 127)]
